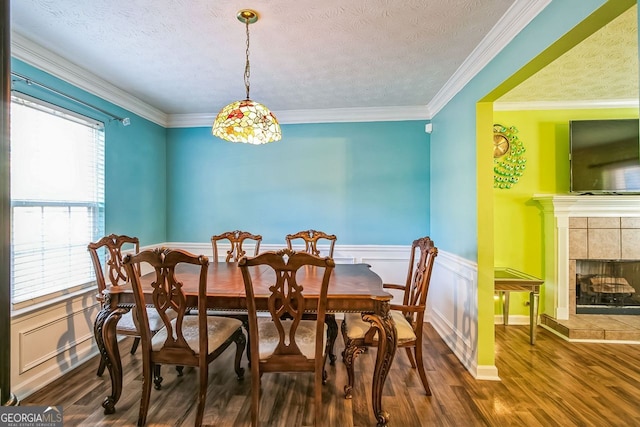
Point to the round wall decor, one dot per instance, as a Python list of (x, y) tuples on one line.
[(508, 160)]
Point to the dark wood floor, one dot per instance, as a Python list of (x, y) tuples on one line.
[(554, 383)]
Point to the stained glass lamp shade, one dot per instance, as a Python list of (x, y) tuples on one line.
[(247, 121)]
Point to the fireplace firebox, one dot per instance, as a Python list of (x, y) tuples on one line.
[(607, 286)]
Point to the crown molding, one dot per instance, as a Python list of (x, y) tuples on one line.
[(514, 20), (566, 105), (519, 15), (330, 115), (30, 52)]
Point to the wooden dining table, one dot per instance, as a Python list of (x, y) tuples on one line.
[(352, 288)]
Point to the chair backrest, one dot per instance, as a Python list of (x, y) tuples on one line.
[(236, 239), (167, 294), (311, 238), (115, 272), (423, 255), (286, 302)]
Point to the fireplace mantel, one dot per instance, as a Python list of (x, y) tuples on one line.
[(590, 205), (557, 210)]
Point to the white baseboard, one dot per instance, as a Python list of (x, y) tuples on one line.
[(487, 372), (514, 319)]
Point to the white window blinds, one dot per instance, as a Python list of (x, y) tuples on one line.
[(57, 199)]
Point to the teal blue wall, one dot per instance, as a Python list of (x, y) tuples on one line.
[(135, 159), (454, 203), (368, 183)]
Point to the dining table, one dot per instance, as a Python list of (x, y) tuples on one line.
[(352, 288)]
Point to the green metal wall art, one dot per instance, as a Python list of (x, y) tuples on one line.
[(508, 160)]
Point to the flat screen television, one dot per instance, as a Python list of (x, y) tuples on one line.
[(605, 156)]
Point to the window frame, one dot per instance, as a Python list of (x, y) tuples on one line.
[(97, 221)]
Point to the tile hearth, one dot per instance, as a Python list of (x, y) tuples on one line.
[(596, 327)]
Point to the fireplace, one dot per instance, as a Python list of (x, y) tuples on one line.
[(607, 286), (592, 253)]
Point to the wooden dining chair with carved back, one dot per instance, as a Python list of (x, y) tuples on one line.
[(408, 316), (114, 274), (236, 241), (286, 342), (311, 239), (187, 340)]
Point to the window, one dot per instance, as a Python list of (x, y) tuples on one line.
[(57, 199)]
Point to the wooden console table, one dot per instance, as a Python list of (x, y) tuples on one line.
[(508, 280)]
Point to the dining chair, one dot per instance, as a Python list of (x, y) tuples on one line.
[(286, 342), (236, 251), (183, 340), (408, 316), (116, 275), (236, 239), (310, 239)]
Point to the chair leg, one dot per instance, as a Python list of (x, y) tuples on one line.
[(245, 325), (202, 393), (410, 356), (320, 380), (134, 346), (421, 371), (101, 366), (157, 378), (179, 370), (332, 334), (255, 395), (146, 391), (324, 371), (241, 343)]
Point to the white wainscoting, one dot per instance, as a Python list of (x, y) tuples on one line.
[(49, 342), (453, 310)]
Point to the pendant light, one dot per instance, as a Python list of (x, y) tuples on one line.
[(246, 120)]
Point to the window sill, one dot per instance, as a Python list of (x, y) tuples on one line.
[(28, 307)]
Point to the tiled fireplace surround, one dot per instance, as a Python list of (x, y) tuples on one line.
[(595, 227)]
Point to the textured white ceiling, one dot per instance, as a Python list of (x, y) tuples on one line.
[(187, 56), (603, 67)]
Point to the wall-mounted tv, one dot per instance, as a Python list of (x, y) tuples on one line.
[(605, 156)]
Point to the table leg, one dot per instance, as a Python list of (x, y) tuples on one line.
[(505, 307), (105, 332), (534, 299), (387, 344), (332, 335)]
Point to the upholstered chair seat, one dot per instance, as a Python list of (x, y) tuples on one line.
[(356, 328), (305, 337), (218, 330)]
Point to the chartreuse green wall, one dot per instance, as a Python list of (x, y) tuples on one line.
[(518, 239), (462, 196)]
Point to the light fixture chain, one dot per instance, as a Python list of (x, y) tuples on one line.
[(247, 68)]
